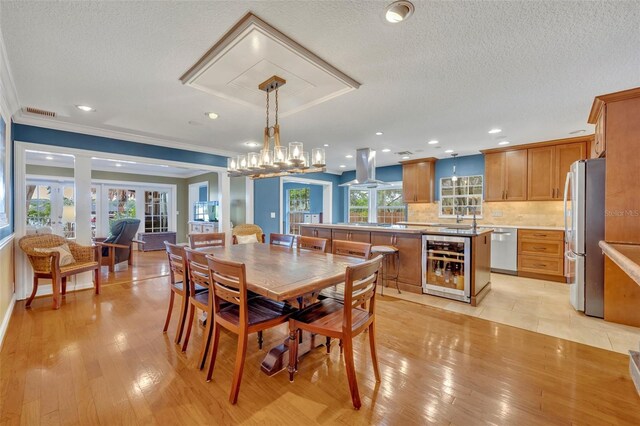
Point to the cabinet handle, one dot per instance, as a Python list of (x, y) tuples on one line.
[(503, 194), (506, 195), (539, 248), (540, 265), (539, 235)]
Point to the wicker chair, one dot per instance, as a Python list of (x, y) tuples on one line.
[(248, 229), (47, 265)]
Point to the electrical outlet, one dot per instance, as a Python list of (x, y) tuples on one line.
[(273, 215), (496, 213)]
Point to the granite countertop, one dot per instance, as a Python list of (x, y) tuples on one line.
[(626, 256), (485, 225), (402, 228)]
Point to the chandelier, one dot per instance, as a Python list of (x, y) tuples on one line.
[(278, 161)]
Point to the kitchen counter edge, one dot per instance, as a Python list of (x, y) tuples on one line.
[(626, 256), (425, 229)]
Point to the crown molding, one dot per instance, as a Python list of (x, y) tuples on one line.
[(600, 101), (28, 119), (8, 92), (576, 139)]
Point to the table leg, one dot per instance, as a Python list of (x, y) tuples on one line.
[(277, 359)]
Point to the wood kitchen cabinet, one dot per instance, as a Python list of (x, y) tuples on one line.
[(418, 180), (349, 235), (506, 175), (541, 254), (318, 233), (599, 143), (548, 167), (410, 252)]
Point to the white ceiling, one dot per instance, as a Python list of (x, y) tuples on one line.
[(451, 72), (45, 158)]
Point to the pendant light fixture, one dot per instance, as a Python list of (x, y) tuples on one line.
[(454, 178), (280, 161)]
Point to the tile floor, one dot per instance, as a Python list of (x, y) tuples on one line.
[(540, 306)]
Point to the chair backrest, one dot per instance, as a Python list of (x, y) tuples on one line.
[(312, 243), (351, 248), (247, 229), (177, 263), (360, 287), (198, 269), (213, 239), (228, 280), (285, 240), (30, 242)]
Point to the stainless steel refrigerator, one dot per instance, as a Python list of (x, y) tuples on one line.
[(584, 228)]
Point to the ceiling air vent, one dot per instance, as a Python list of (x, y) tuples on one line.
[(404, 153), (39, 111)]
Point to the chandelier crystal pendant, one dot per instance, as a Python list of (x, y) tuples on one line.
[(278, 161)]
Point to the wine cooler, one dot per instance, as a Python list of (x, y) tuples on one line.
[(446, 265)]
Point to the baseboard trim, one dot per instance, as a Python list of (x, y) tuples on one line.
[(5, 321)]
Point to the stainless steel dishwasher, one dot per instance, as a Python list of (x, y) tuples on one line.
[(504, 251)]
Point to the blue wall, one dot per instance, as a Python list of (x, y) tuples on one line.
[(41, 135), (465, 166)]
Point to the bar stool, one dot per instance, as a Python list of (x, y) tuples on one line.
[(388, 253)]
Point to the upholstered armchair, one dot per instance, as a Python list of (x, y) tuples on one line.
[(55, 258), (245, 230), (117, 247)]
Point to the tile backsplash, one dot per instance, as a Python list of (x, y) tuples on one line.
[(519, 213)]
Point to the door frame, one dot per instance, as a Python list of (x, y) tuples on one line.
[(327, 197)]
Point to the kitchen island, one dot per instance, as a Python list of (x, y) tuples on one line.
[(413, 269)]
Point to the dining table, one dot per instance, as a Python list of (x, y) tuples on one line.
[(284, 274)]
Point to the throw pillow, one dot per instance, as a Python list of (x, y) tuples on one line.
[(247, 239), (66, 258)]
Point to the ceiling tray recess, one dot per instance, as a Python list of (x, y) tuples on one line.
[(251, 52)]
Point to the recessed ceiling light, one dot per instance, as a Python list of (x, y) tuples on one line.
[(348, 156), (211, 115), (398, 11), (449, 151), (85, 108), (386, 150), (494, 131), (252, 144), (433, 142), (378, 133), (406, 157), (326, 144), (342, 166), (503, 143), (118, 165), (48, 157)]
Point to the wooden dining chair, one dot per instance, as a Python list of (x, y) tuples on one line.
[(212, 239), (179, 283), (198, 270), (284, 240), (342, 321), (351, 248), (236, 312), (312, 243)]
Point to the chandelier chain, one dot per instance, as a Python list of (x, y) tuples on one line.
[(276, 105), (267, 109)]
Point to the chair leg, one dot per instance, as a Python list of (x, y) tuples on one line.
[(214, 349), (64, 286), (374, 355), (260, 339), (328, 345), (166, 322), (351, 373), (293, 351), (239, 367), (96, 279), (192, 313), (182, 319), (206, 342), (33, 293), (341, 347), (55, 283)]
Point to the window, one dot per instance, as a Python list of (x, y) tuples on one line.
[(463, 197), (39, 207), (122, 204), (299, 205), (377, 205), (156, 211)]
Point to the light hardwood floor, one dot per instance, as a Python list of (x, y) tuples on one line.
[(104, 360)]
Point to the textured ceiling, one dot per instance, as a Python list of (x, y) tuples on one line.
[(451, 72)]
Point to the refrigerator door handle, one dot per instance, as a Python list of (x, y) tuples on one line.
[(566, 196)]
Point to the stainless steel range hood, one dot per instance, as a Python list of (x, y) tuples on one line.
[(365, 170)]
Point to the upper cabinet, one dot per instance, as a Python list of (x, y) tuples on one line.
[(534, 172), (505, 175), (418, 180), (599, 144), (548, 167)]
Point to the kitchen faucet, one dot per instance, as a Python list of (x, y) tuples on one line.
[(459, 218)]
